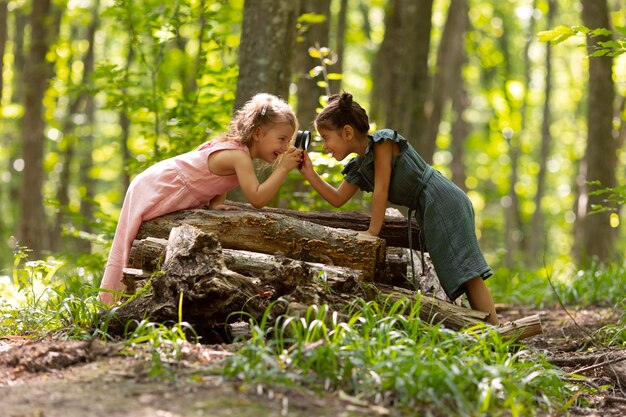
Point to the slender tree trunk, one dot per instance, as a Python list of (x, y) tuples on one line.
[(3, 40), (32, 221), (19, 55), (315, 35), (86, 178), (536, 243), (335, 85), (460, 127), (449, 54), (268, 38), (600, 154)]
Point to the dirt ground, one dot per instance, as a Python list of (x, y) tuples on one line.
[(48, 378)]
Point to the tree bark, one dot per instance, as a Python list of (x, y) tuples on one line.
[(600, 154), (536, 242), (272, 233), (449, 60), (3, 40), (394, 230), (32, 221), (340, 39), (401, 79), (268, 38)]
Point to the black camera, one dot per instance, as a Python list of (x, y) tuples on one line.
[(303, 137)]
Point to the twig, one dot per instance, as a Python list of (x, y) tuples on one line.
[(599, 365), (558, 297)]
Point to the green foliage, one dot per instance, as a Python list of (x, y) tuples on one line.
[(165, 342), (614, 47), (385, 354), (36, 302), (597, 285), (614, 334)]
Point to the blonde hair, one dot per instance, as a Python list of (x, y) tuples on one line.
[(262, 109)]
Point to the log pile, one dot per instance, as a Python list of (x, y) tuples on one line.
[(219, 265)]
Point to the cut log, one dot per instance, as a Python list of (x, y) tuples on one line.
[(394, 230), (272, 233)]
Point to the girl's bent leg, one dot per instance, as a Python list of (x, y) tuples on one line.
[(479, 297)]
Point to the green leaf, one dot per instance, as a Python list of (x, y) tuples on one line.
[(335, 76), (556, 35)]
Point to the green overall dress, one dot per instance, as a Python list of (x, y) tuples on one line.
[(443, 211)]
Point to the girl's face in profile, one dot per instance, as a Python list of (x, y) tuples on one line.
[(335, 143), (272, 140)]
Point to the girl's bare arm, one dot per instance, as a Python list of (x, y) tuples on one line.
[(383, 158), (337, 197), (259, 194)]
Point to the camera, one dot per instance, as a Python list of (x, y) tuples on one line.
[(303, 137)]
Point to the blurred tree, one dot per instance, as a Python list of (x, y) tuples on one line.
[(33, 230), (314, 28), (537, 234), (598, 237), (400, 70), (266, 48)]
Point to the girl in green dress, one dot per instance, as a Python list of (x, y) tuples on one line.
[(389, 167)]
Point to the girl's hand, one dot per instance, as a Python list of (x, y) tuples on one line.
[(307, 165), (291, 159)]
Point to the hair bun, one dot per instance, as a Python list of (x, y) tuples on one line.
[(345, 102)]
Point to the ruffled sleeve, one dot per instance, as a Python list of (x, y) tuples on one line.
[(353, 175), (389, 134)]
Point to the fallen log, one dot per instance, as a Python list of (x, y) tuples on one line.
[(272, 233), (147, 255), (433, 310), (394, 230), (298, 285)]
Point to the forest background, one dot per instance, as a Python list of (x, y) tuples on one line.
[(93, 92)]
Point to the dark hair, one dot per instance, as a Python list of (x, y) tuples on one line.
[(340, 111)]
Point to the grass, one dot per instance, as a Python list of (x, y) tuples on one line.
[(597, 285), (384, 354)]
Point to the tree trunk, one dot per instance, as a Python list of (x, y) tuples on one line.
[(32, 221), (449, 59), (3, 40), (19, 53), (271, 233), (340, 40), (536, 244), (401, 79), (600, 154), (314, 35), (268, 38)]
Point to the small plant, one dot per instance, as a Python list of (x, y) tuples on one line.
[(165, 343)]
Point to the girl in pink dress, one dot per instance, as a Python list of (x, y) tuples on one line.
[(261, 129)]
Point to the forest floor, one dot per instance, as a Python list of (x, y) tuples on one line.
[(51, 378)]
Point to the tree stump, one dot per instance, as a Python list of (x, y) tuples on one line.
[(195, 275)]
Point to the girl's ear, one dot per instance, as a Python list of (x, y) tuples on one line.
[(348, 132), (256, 134)]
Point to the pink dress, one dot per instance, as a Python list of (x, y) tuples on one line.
[(178, 183)]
